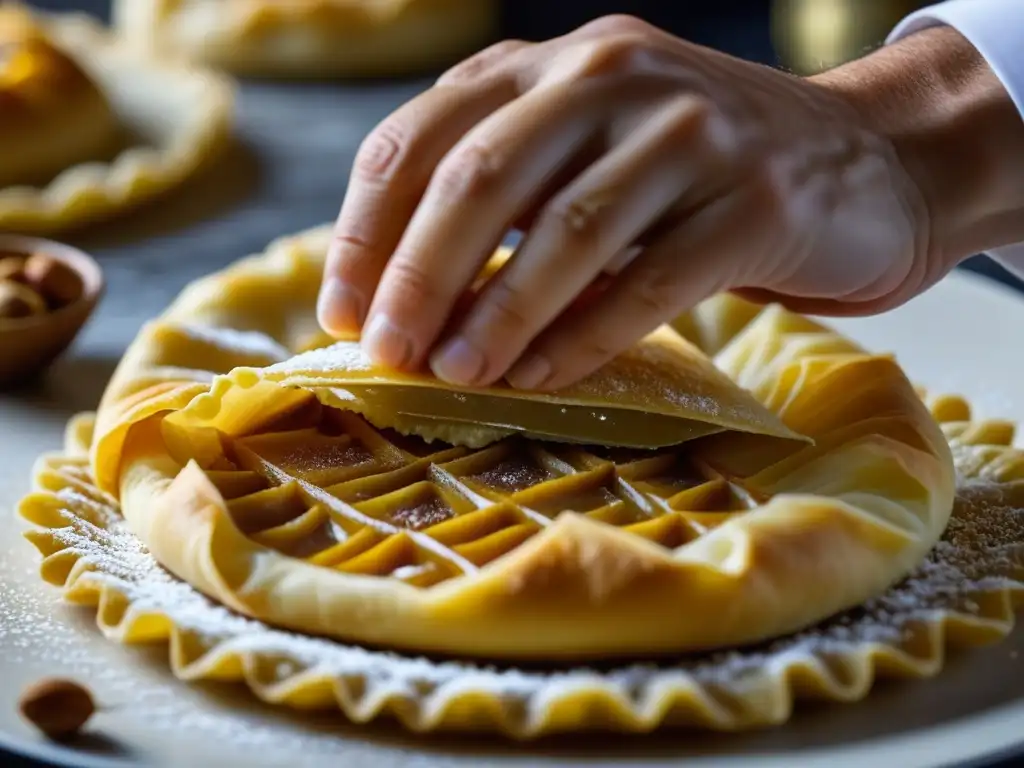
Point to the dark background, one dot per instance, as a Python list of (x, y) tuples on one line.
[(739, 27), (537, 19)]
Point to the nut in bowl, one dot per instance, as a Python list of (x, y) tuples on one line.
[(47, 292)]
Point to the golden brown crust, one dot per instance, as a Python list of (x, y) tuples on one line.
[(35, 72), (138, 131), (322, 38), (836, 522), (961, 597), (52, 114)]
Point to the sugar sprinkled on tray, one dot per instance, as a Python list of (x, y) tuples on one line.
[(982, 550)]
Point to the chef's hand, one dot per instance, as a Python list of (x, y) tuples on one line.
[(656, 173)]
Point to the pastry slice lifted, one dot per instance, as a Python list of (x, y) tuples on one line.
[(299, 489), (310, 38), (88, 130)]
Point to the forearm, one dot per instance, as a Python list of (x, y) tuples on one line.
[(956, 129)]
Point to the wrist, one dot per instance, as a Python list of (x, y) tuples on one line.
[(955, 130)]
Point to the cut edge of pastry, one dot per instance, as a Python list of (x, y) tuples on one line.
[(197, 104), (317, 38), (341, 376), (92, 558)]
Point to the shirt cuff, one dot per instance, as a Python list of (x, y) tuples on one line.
[(996, 29)]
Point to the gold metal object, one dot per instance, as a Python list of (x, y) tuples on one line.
[(811, 36)]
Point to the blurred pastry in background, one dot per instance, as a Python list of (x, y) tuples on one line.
[(51, 111), (310, 38), (87, 129)]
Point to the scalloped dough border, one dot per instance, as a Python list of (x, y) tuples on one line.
[(89, 552), (196, 103), (537, 621)]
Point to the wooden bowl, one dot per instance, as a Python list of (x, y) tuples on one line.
[(28, 345)]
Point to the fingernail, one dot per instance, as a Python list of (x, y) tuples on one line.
[(340, 307), (532, 373), (386, 343), (458, 362)]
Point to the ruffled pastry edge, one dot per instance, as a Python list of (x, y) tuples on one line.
[(425, 695), (519, 606), (199, 101)]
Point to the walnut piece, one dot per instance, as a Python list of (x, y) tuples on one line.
[(58, 708), (18, 301), (58, 283)]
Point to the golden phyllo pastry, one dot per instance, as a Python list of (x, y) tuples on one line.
[(52, 115), (300, 490), (344, 513), (310, 38), (86, 129)]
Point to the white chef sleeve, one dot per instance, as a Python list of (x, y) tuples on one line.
[(996, 29)]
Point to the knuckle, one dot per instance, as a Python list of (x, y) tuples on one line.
[(482, 63), (612, 55), (464, 72), (473, 171), (654, 292), (507, 307), (595, 348), (577, 219), (688, 120), (354, 253), (382, 152), (505, 48), (617, 24), (769, 184), (411, 283)]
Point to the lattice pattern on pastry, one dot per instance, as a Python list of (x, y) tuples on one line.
[(962, 596), (326, 486)]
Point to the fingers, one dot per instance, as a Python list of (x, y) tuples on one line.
[(474, 195), (577, 236), (437, 185), (389, 175), (812, 306), (702, 256), (396, 162), (501, 57)]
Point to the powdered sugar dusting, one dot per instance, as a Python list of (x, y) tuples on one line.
[(981, 551), (343, 356)]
